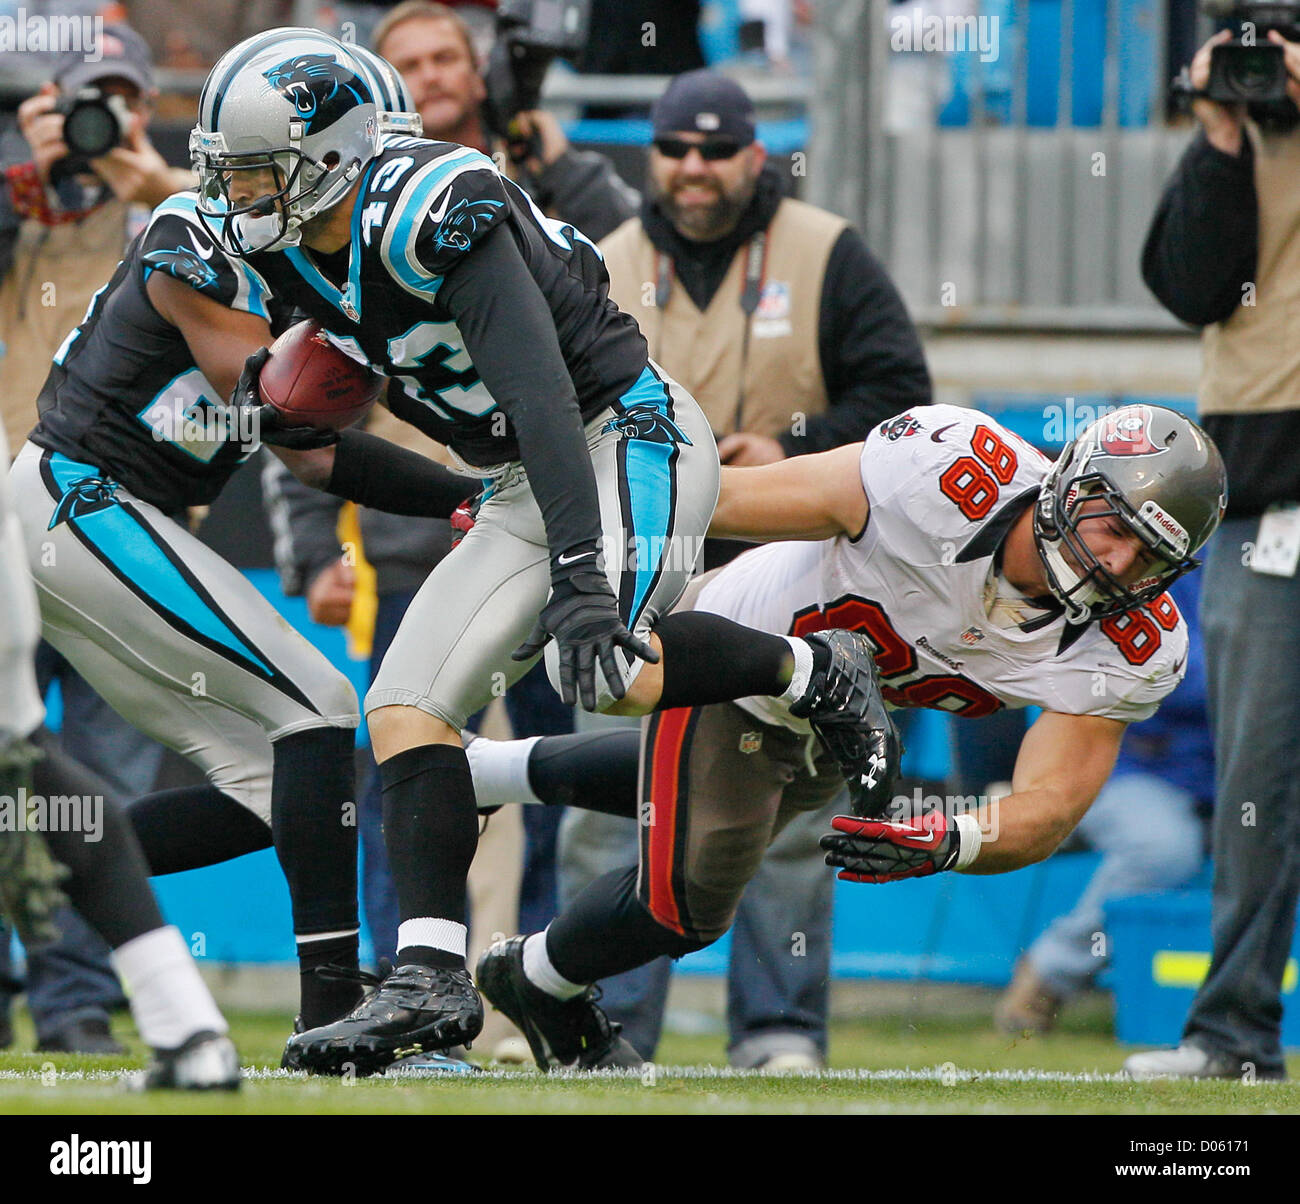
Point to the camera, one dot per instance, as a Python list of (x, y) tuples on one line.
[(531, 34), (1250, 68), (93, 122)]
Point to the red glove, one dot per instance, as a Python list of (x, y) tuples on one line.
[(877, 850)]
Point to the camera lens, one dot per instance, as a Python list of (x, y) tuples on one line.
[(91, 129), (1254, 70)]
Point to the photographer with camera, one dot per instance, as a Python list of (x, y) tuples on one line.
[(86, 190), (1223, 253)]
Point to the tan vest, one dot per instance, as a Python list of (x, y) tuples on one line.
[(55, 272), (708, 353), (1251, 361)]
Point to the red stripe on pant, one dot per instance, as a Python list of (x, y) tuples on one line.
[(670, 749)]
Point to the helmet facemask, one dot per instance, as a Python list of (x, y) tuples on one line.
[(292, 104)]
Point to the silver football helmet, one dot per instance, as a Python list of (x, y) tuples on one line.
[(397, 113), (1154, 470), (293, 105)]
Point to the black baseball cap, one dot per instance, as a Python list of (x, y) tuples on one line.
[(705, 102), (122, 54)]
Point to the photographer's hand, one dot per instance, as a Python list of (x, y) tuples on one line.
[(136, 172), (1222, 122), (550, 138), (1291, 55), (42, 127)]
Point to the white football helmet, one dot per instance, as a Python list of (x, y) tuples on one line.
[(293, 103)]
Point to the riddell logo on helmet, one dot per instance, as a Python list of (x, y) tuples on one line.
[(1126, 433), (1172, 531)]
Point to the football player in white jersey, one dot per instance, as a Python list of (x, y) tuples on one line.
[(983, 576)]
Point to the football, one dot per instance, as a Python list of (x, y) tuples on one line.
[(312, 382)]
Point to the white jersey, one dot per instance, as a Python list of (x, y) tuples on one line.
[(945, 485)]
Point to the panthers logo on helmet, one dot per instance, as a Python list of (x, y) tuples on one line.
[(646, 422), (86, 496), (184, 265), (1127, 434), (320, 88), (463, 220)]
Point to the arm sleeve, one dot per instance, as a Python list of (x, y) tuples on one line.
[(872, 362), (304, 526), (1204, 239), (373, 472), (583, 189), (510, 335)]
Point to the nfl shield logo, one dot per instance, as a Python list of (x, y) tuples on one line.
[(972, 635), (751, 742)]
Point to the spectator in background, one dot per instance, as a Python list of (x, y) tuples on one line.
[(1223, 253), (72, 231), (777, 318), (1146, 825), (432, 49)]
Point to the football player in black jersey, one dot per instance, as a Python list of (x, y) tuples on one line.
[(601, 473), (133, 430)]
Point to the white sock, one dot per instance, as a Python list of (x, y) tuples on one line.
[(500, 769), (433, 933), (170, 1002), (803, 667), (542, 974)]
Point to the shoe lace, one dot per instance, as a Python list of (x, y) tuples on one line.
[(332, 972)]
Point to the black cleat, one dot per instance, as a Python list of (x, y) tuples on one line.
[(571, 1033), (847, 711), (206, 1062), (416, 1009)]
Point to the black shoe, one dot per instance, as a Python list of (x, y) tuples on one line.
[(89, 1035), (847, 711), (206, 1062), (416, 1009), (573, 1032)]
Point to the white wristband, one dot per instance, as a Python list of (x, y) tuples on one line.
[(969, 840)]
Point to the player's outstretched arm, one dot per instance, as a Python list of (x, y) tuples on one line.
[(1063, 763), (805, 497)]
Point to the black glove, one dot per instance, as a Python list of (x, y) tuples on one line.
[(583, 617), (268, 423)]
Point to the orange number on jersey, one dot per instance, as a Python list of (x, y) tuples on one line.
[(1134, 634), (972, 482), (1165, 611), (895, 658)]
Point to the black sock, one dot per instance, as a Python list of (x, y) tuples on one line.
[(606, 931), (430, 832), (109, 884), (707, 658), (323, 998), (596, 771), (194, 826), (314, 826)]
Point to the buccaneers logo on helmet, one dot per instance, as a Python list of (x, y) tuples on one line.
[(1127, 433)]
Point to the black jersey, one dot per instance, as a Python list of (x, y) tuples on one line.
[(124, 393), (421, 208)]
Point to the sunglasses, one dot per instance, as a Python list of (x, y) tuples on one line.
[(710, 152)]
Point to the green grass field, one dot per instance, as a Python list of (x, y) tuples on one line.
[(932, 1058)]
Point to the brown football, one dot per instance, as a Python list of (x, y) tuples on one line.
[(314, 383)]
